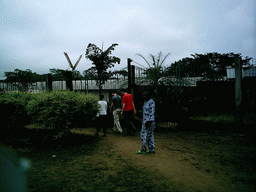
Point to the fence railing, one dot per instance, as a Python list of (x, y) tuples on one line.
[(78, 85), (121, 81)]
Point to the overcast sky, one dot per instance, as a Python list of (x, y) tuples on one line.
[(35, 33)]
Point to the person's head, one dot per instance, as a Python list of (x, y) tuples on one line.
[(113, 93), (146, 95), (123, 91), (101, 97)]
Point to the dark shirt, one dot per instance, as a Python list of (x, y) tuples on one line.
[(116, 99)]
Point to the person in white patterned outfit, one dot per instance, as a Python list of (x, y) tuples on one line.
[(148, 125), (116, 108)]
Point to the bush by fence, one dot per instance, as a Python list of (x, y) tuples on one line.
[(13, 112), (62, 110)]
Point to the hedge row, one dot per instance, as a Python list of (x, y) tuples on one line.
[(59, 110), (13, 112)]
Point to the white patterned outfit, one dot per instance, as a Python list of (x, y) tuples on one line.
[(147, 136)]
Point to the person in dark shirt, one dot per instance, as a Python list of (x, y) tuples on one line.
[(128, 109), (116, 106)]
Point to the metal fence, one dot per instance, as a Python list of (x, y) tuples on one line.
[(121, 81), (78, 85)]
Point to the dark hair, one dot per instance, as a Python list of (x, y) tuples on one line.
[(123, 90), (101, 97), (147, 94)]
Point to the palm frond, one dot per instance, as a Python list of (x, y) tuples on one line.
[(139, 64), (164, 59), (144, 59)]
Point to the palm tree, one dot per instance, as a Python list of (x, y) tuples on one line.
[(154, 70)]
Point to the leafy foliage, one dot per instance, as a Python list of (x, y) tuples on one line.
[(13, 113), (101, 61), (208, 66), (62, 110), (60, 75), (23, 80)]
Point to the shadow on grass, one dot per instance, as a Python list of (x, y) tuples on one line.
[(43, 139)]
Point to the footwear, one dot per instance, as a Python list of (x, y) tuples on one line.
[(150, 151), (140, 152)]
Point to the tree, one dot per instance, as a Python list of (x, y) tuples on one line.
[(76, 75), (60, 75), (22, 80), (155, 71), (101, 61), (208, 66)]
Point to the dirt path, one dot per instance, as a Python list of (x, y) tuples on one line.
[(171, 161)]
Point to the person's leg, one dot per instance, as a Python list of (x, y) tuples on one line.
[(150, 138), (126, 120), (130, 125), (144, 136), (103, 124), (97, 126), (116, 120), (114, 126)]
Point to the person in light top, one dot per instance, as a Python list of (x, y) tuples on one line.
[(102, 115)]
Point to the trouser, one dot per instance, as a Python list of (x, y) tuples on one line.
[(147, 137), (117, 126), (101, 123), (128, 117)]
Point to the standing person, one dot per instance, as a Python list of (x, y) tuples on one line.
[(148, 125), (128, 109), (116, 106), (102, 116)]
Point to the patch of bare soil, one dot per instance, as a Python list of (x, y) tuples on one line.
[(187, 162)]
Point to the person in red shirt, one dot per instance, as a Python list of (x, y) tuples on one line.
[(128, 109)]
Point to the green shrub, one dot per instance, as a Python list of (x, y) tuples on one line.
[(13, 113), (62, 110)]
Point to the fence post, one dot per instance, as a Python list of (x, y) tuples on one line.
[(132, 80), (49, 82), (69, 83), (129, 75), (238, 90)]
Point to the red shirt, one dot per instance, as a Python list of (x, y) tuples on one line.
[(127, 99)]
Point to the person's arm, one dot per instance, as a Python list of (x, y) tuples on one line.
[(151, 114), (134, 111), (111, 106), (123, 106)]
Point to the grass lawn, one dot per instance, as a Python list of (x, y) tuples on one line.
[(200, 156)]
